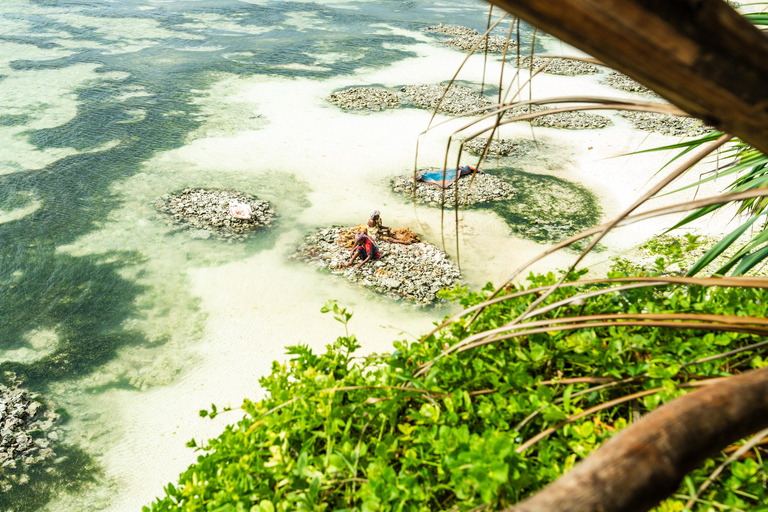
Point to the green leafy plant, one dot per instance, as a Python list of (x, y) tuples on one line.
[(474, 417)]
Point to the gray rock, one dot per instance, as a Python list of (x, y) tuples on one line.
[(32, 409)]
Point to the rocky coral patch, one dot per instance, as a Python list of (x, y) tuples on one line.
[(365, 98), (27, 433), (453, 30), (575, 120), (499, 147), (558, 66), (485, 189), (465, 38), (677, 126), (206, 211), (495, 44), (458, 100), (414, 272), (622, 82)]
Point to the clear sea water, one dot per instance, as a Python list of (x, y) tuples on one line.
[(132, 327)]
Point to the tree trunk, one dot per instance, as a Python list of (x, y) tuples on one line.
[(699, 54), (645, 463)]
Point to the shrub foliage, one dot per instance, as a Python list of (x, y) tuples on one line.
[(341, 433)]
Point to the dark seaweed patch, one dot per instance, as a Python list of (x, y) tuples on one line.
[(546, 208)]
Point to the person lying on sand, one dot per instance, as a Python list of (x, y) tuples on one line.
[(379, 232), (365, 248)]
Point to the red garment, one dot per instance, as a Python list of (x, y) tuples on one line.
[(367, 247)]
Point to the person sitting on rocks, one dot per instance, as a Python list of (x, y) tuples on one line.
[(365, 248), (378, 232)]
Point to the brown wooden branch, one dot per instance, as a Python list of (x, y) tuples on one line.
[(645, 463), (699, 54)]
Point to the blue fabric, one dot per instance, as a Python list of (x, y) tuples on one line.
[(436, 177)]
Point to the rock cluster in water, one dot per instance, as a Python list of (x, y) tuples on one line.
[(559, 66), (499, 147), (208, 212), (415, 272), (27, 432), (368, 98), (495, 44), (575, 120), (458, 100), (624, 83), (485, 188), (677, 126), (465, 38), (453, 30)]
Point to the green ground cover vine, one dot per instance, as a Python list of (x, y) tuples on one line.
[(337, 432)]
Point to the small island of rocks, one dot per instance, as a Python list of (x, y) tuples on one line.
[(499, 147), (458, 100), (558, 66), (208, 212), (622, 82), (365, 98), (665, 124), (484, 188), (574, 120), (465, 38), (414, 270)]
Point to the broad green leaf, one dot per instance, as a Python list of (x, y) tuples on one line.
[(719, 247), (748, 262), (757, 240), (567, 398)]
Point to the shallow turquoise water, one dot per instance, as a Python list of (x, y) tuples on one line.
[(148, 60)]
